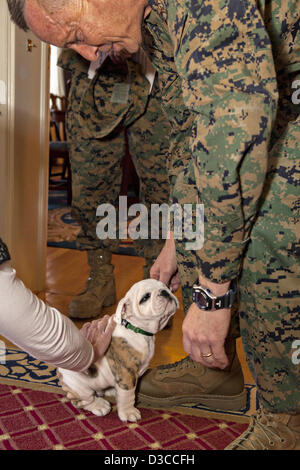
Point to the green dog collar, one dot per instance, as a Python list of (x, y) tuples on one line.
[(129, 326)]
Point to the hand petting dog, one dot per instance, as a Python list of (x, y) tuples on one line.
[(99, 333)]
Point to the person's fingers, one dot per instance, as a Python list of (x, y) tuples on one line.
[(219, 355), (160, 275), (102, 323), (175, 282), (200, 351), (110, 327), (165, 277), (93, 332), (85, 330), (154, 272), (203, 352)]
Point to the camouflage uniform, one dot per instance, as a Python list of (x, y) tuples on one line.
[(98, 115), (224, 67)]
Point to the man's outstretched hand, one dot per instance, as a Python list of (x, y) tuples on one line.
[(99, 333), (165, 267)]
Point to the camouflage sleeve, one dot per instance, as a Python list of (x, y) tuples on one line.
[(224, 57)]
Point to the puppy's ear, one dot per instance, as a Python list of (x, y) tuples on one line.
[(124, 306), (119, 311)]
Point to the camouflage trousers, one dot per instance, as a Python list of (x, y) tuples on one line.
[(267, 315), (270, 281), (97, 173)]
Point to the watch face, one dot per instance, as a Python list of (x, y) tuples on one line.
[(202, 301)]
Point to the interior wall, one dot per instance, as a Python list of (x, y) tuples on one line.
[(24, 183)]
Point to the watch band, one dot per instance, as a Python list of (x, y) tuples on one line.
[(205, 299)]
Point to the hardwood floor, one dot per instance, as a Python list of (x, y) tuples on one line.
[(67, 271)]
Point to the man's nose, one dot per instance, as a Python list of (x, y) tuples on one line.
[(90, 53)]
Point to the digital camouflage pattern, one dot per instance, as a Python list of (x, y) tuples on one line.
[(225, 73), (98, 115)]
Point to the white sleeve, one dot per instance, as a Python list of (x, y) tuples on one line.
[(40, 330)]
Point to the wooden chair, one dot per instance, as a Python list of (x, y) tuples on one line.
[(59, 148)]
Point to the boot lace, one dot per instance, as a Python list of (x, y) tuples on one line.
[(262, 428), (184, 363)]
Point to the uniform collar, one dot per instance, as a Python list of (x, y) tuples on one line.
[(159, 6)]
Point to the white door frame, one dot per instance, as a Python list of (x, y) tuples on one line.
[(27, 245), (6, 124)]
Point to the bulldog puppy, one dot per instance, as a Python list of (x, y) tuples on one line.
[(144, 311)]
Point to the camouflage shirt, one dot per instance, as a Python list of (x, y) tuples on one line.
[(218, 63)]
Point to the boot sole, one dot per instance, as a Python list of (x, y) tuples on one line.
[(216, 402)]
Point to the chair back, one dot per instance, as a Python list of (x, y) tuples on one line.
[(57, 118), (57, 125)]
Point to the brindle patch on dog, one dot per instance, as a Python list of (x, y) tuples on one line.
[(124, 362), (92, 371)]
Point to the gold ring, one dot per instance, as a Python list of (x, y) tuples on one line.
[(207, 355)]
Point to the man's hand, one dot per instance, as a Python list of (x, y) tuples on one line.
[(99, 333), (165, 267), (204, 333)]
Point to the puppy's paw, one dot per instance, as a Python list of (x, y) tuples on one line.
[(129, 414), (110, 392), (98, 407)]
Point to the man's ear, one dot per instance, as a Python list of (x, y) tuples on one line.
[(124, 306)]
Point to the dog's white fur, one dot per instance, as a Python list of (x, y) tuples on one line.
[(152, 315)]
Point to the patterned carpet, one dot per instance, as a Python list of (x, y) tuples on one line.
[(36, 420), (36, 415)]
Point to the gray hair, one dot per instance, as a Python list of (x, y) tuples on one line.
[(17, 10), (17, 15)]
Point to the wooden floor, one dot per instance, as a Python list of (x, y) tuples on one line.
[(67, 271)]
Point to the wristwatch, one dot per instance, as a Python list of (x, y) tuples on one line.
[(206, 300)]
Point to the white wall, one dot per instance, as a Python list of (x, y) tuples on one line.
[(57, 82)]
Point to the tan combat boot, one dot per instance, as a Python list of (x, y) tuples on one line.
[(270, 431), (100, 288), (187, 381)]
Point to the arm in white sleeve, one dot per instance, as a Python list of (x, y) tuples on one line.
[(39, 329)]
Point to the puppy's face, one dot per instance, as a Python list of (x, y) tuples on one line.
[(150, 303)]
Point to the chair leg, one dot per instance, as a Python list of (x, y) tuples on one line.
[(65, 167)]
